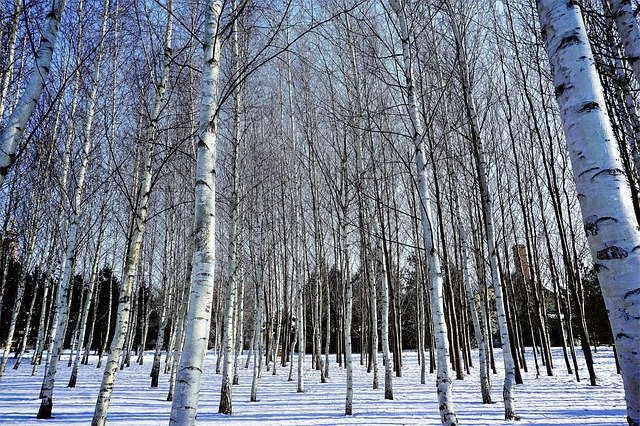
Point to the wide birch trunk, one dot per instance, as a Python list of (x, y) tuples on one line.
[(603, 192), (185, 402)]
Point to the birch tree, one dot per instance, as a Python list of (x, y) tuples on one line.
[(62, 305), (198, 324), (137, 232), (604, 194), (487, 214), (233, 294), (17, 122), (443, 380)]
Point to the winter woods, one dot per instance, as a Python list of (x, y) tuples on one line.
[(300, 188)]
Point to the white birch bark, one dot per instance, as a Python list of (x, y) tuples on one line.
[(166, 301), (239, 338), (443, 380), (64, 197), (348, 288), (27, 327), (603, 192), (381, 276), (135, 239), (87, 301), (180, 330), (231, 299), (487, 206), (62, 305), (11, 52), (631, 36), (34, 222), (185, 402), (479, 331), (17, 121), (259, 320), (629, 32)]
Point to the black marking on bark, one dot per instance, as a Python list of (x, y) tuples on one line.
[(635, 248), (621, 335), (632, 292), (613, 252), (591, 227), (610, 172), (561, 88), (599, 267), (588, 170), (589, 106), (568, 41), (51, 14)]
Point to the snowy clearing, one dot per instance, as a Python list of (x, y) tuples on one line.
[(543, 401)]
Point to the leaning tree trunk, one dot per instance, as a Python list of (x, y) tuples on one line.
[(185, 402), (443, 380), (17, 121), (135, 239), (605, 197), (62, 305)]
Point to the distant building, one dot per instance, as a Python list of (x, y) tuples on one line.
[(10, 245), (521, 261)]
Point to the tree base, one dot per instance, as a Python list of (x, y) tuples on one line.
[(45, 410), (226, 405), (72, 380)]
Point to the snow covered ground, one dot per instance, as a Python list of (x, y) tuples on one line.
[(543, 401)]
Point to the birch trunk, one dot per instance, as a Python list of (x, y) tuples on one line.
[(487, 205), (166, 301), (43, 324), (185, 402), (381, 272), (88, 298), (443, 380), (135, 239), (17, 305), (17, 121), (629, 33), (259, 321), (479, 330), (27, 327), (231, 301), (103, 345), (62, 305), (604, 194), (11, 51), (348, 308)]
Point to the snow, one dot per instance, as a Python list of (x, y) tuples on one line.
[(558, 400)]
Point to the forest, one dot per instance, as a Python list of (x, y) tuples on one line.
[(374, 196)]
